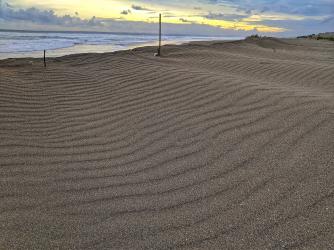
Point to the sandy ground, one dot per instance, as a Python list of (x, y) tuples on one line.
[(214, 145)]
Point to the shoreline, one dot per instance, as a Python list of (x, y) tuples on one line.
[(60, 52), (144, 47), (97, 48)]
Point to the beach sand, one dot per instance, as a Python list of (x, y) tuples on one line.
[(214, 145)]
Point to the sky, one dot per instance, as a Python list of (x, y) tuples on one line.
[(193, 17)]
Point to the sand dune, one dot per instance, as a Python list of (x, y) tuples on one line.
[(214, 145)]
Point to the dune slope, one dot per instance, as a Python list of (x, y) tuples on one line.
[(214, 145)]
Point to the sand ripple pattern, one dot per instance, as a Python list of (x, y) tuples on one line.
[(214, 145)]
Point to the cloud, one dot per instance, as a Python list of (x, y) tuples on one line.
[(183, 20), (37, 19), (138, 7), (208, 16), (328, 20), (296, 17), (126, 12), (48, 17), (300, 7), (221, 16)]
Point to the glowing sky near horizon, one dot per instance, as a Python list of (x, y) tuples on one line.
[(239, 15)]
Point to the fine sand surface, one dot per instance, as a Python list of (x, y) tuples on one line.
[(215, 145)]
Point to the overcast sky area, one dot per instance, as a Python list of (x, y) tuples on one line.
[(194, 17)]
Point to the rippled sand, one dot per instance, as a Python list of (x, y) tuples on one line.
[(214, 145)]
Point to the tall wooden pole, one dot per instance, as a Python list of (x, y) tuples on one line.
[(159, 49)]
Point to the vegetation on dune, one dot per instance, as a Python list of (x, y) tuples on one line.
[(256, 36), (322, 36)]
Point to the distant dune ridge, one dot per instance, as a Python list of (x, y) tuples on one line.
[(213, 145)]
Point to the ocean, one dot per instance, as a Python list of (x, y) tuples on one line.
[(32, 44)]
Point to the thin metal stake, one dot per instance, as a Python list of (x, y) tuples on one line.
[(159, 49), (44, 60)]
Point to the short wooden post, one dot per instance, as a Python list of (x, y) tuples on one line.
[(159, 49), (44, 60)]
